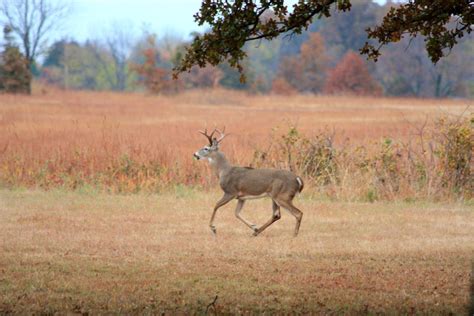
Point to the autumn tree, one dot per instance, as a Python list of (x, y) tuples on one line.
[(306, 72), (281, 86), (14, 73), (264, 58), (289, 73), (451, 75), (352, 77), (346, 31), (233, 78), (153, 77), (31, 21), (207, 77), (234, 23), (406, 70)]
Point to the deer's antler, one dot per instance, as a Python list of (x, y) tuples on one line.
[(212, 140), (222, 135), (209, 137)]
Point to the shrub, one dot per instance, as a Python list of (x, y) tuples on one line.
[(438, 165)]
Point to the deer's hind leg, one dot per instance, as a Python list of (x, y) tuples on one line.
[(240, 204), (288, 204), (276, 215)]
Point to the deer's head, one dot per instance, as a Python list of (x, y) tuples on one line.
[(209, 150)]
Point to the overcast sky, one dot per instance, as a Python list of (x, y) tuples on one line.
[(93, 18)]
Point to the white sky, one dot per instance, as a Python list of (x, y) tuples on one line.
[(91, 19)]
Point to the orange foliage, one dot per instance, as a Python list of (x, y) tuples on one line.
[(155, 78), (307, 71), (351, 77), (152, 76), (281, 86)]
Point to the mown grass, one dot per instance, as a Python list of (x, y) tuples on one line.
[(89, 252)]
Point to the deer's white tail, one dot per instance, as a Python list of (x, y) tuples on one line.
[(300, 183)]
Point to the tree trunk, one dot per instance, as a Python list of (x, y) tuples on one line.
[(438, 86), (29, 66)]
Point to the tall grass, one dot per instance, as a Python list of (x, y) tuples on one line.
[(436, 164), (353, 149)]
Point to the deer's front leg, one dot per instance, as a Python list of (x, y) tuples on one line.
[(240, 204), (224, 200)]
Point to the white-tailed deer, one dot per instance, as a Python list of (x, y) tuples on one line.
[(245, 183)]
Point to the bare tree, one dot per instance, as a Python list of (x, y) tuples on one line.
[(31, 21), (113, 52), (406, 70)]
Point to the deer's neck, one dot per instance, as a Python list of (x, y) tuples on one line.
[(219, 164)]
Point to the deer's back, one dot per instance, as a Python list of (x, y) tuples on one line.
[(241, 181)]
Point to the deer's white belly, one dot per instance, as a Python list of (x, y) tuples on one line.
[(253, 197)]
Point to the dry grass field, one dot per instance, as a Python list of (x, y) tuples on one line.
[(48, 120), (132, 254), (131, 142), (70, 244)]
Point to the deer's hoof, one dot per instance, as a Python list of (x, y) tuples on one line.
[(255, 233), (254, 228), (213, 229)]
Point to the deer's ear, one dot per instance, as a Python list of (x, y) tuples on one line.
[(215, 143)]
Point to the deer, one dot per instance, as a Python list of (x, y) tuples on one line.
[(246, 183)]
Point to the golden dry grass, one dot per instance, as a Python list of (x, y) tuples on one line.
[(96, 253), (70, 138), (156, 120)]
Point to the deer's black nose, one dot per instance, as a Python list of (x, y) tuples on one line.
[(196, 156)]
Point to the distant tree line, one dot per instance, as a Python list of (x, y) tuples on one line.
[(323, 59)]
